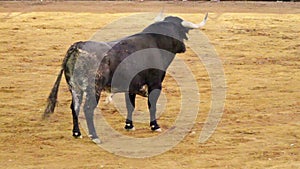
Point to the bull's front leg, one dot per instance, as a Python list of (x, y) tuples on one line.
[(152, 101), (130, 105)]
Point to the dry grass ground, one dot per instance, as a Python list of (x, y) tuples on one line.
[(258, 43)]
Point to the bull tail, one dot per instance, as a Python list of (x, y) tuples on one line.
[(52, 98)]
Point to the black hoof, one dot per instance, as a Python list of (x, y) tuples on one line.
[(77, 134), (129, 125), (154, 126)]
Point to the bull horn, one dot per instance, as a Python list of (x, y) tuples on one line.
[(191, 25), (160, 16)]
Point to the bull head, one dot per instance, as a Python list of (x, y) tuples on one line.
[(160, 17)]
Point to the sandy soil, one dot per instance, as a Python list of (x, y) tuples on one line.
[(258, 44)]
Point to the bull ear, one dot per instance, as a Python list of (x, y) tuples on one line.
[(160, 16), (191, 25)]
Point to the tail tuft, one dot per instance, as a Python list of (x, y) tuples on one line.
[(52, 98)]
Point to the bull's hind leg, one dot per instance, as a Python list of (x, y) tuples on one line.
[(75, 106), (130, 105), (90, 104)]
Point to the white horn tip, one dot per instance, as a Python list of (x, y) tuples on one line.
[(160, 16)]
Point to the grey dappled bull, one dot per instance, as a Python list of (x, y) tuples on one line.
[(91, 67)]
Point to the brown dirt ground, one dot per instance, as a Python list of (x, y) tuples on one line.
[(258, 43)]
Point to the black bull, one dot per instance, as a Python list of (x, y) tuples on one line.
[(91, 67)]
